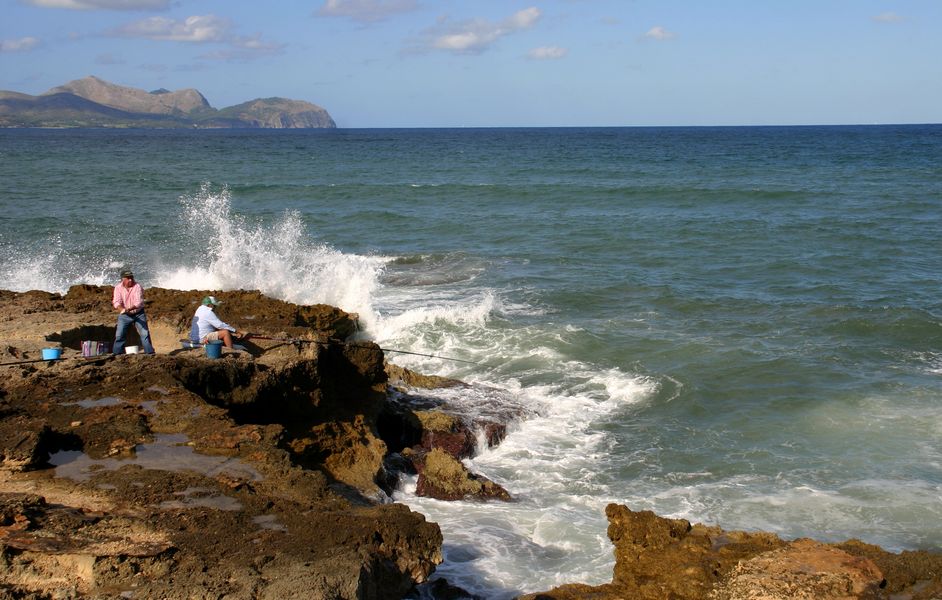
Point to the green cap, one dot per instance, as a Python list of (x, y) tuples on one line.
[(211, 300)]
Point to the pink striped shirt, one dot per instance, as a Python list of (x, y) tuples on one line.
[(131, 299)]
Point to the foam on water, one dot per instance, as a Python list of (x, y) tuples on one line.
[(221, 250), (552, 458), (48, 265), (897, 511), (438, 312), (279, 259), (830, 479), (553, 461)]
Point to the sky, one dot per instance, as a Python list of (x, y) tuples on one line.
[(502, 63)]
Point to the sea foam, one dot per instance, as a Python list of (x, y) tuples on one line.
[(50, 266), (279, 259)]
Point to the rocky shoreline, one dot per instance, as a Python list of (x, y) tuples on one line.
[(267, 473)]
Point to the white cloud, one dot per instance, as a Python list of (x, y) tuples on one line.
[(366, 11), (102, 4), (195, 29), (201, 29), (547, 53), (659, 33), (887, 17), (20, 45), (524, 18), (477, 35)]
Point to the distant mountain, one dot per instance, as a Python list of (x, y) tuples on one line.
[(93, 102)]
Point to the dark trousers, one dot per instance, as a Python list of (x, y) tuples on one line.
[(140, 323)]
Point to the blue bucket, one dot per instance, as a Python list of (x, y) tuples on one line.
[(213, 349), (52, 353)]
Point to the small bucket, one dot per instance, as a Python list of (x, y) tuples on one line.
[(213, 349), (131, 350), (52, 353)]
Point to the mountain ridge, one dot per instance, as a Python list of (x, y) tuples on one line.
[(94, 102)]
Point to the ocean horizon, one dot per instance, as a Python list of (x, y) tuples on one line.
[(734, 325)]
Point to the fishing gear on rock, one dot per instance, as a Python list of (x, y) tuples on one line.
[(296, 341), (301, 341)]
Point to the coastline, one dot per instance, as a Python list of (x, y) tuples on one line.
[(267, 470)]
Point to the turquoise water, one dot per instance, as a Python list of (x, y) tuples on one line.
[(738, 326)]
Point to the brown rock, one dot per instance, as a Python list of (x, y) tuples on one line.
[(406, 377), (24, 443), (176, 474), (444, 477), (348, 452), (804, 570), (494, 433), (910, 575), (658, 558), (445, 432)]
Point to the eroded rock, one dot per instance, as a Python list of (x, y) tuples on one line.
[(658, 558), (174, 475), (804, 570), (24, 443), (444, 477)]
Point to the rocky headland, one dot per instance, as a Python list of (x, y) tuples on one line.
[(266, 473), (93, 102)]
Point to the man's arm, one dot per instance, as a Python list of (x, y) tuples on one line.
[(117, 299), (213, 320)]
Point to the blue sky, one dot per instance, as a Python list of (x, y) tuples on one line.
[(423, 63)]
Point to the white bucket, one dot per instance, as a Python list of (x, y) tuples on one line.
[(131, 350)]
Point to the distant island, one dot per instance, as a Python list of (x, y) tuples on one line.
[(93, 102)]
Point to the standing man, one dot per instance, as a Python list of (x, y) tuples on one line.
[(207, 327), (128, 300)]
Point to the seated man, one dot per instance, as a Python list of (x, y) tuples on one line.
[(207, 327)]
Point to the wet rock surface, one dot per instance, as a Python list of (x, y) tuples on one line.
[(444, 477), (658, 559), (429, 438), (178, 476)]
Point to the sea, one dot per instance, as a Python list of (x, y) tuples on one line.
[(738, 326)]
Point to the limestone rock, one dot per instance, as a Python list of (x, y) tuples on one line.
[(174, 473), (658, 558), (24, 443), (406, 377), (445, 432), (444, 477), (804, 570), (348, 452)]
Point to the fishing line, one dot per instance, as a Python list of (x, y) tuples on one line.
[(271, 339), (329, 343)]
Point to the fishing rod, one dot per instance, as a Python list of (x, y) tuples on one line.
[(263, 337), (24, 362), (329, 343), (52, 360)]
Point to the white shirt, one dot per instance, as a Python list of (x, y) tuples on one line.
[(205, 322)]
